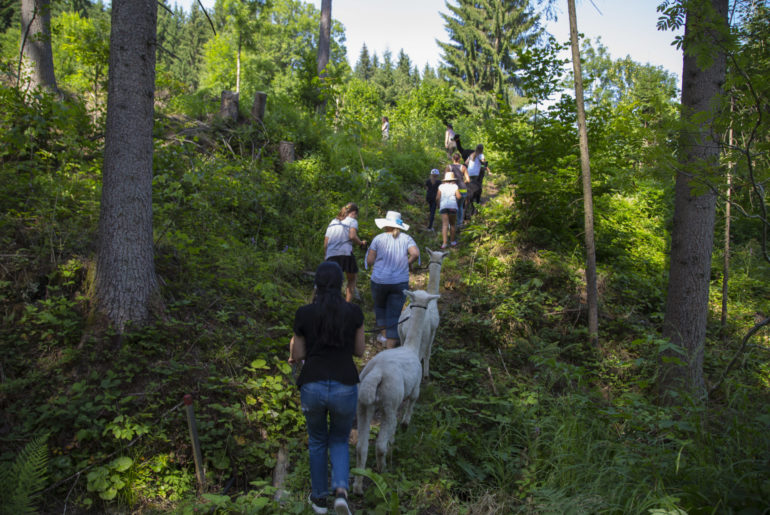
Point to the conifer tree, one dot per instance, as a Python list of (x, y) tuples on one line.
[(484, 36), (364, 68)]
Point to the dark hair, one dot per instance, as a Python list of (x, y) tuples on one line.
[(458, 157), (330, 320), (350, 207)]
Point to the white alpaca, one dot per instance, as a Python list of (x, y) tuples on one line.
[(429, 329), (391, 378)]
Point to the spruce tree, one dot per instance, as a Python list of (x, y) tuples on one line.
[(364, 69), (480, 58)]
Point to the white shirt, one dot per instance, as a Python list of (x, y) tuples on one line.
[(338, 233), (448, 199), (474, 167), (391, 265)]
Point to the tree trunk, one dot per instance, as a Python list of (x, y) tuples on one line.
[(229, 106), (728, 221), (238, 68), (286, 152), (36, 56), (692, 235), (258, 106), (324, 36), (592, 294), (125, 284)]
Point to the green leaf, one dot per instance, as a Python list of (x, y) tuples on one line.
[(121, 464)]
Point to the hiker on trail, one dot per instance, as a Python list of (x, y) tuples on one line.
[(327, 334), (461, 174), (477, 167), (449, 141), (385, 128), (340, 236), (431, 188), (391, 254), (448, 198)]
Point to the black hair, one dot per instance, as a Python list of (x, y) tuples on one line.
[(332, 315)]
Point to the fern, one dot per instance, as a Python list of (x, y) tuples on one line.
[(21, 484)]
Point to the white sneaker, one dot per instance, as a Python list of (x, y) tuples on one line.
[(341, 505), (317, 508)]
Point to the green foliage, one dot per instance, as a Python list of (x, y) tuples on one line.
[(21, 483)]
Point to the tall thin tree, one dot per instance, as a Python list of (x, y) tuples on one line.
[(125, 284), (592, 293), (692, 235)]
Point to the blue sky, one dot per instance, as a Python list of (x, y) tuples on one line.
[(626, 27)]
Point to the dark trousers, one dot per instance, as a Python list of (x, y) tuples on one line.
[(432, 213)]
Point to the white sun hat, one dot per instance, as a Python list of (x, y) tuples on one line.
[(392, 219)]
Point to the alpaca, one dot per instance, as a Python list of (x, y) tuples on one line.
[(391, 378), (429, 329), (461, 150)]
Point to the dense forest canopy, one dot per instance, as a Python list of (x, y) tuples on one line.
[(209, 135)]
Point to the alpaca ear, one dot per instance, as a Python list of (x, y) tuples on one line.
[(409, 294), (429, 251)]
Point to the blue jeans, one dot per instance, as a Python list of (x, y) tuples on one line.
[(329, 408), (461, 208), (388, 302)]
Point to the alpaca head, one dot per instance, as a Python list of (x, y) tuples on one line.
[(436, 257), (420, 298)]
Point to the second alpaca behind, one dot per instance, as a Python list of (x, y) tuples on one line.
[(391, 378)]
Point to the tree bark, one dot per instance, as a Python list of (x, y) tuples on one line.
[(324, 36), (36, 56), (692, 235), (592, 293), (229, 106), (258, 106), (125, 284)]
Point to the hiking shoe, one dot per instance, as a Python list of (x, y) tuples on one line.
[(381, 339), (443, 245), (454, 243), (318, 505), (341, 505)]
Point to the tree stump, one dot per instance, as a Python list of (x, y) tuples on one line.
[(286, 151), (258, 107), (228, 108)]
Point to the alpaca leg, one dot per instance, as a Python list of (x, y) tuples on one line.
[(409, 403), (386, 436), (426, 354), (362, 447)]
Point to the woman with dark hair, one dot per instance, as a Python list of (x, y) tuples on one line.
[(327, 334), (340, 236)]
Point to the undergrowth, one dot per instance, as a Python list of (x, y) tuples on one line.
[(520, 414)]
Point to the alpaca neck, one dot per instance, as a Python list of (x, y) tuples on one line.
[(434, 278), (414, 336)]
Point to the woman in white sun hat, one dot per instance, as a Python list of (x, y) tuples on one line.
[(391, 253), (447, 199)]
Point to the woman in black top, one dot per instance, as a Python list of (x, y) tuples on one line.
[(327, 334)]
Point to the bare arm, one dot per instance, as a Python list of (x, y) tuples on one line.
[(370, 257), (414, 254), (438, 197), (360, 345), (466, 177), (326, 243), (297, 349), (353, 235), (457, 194)]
